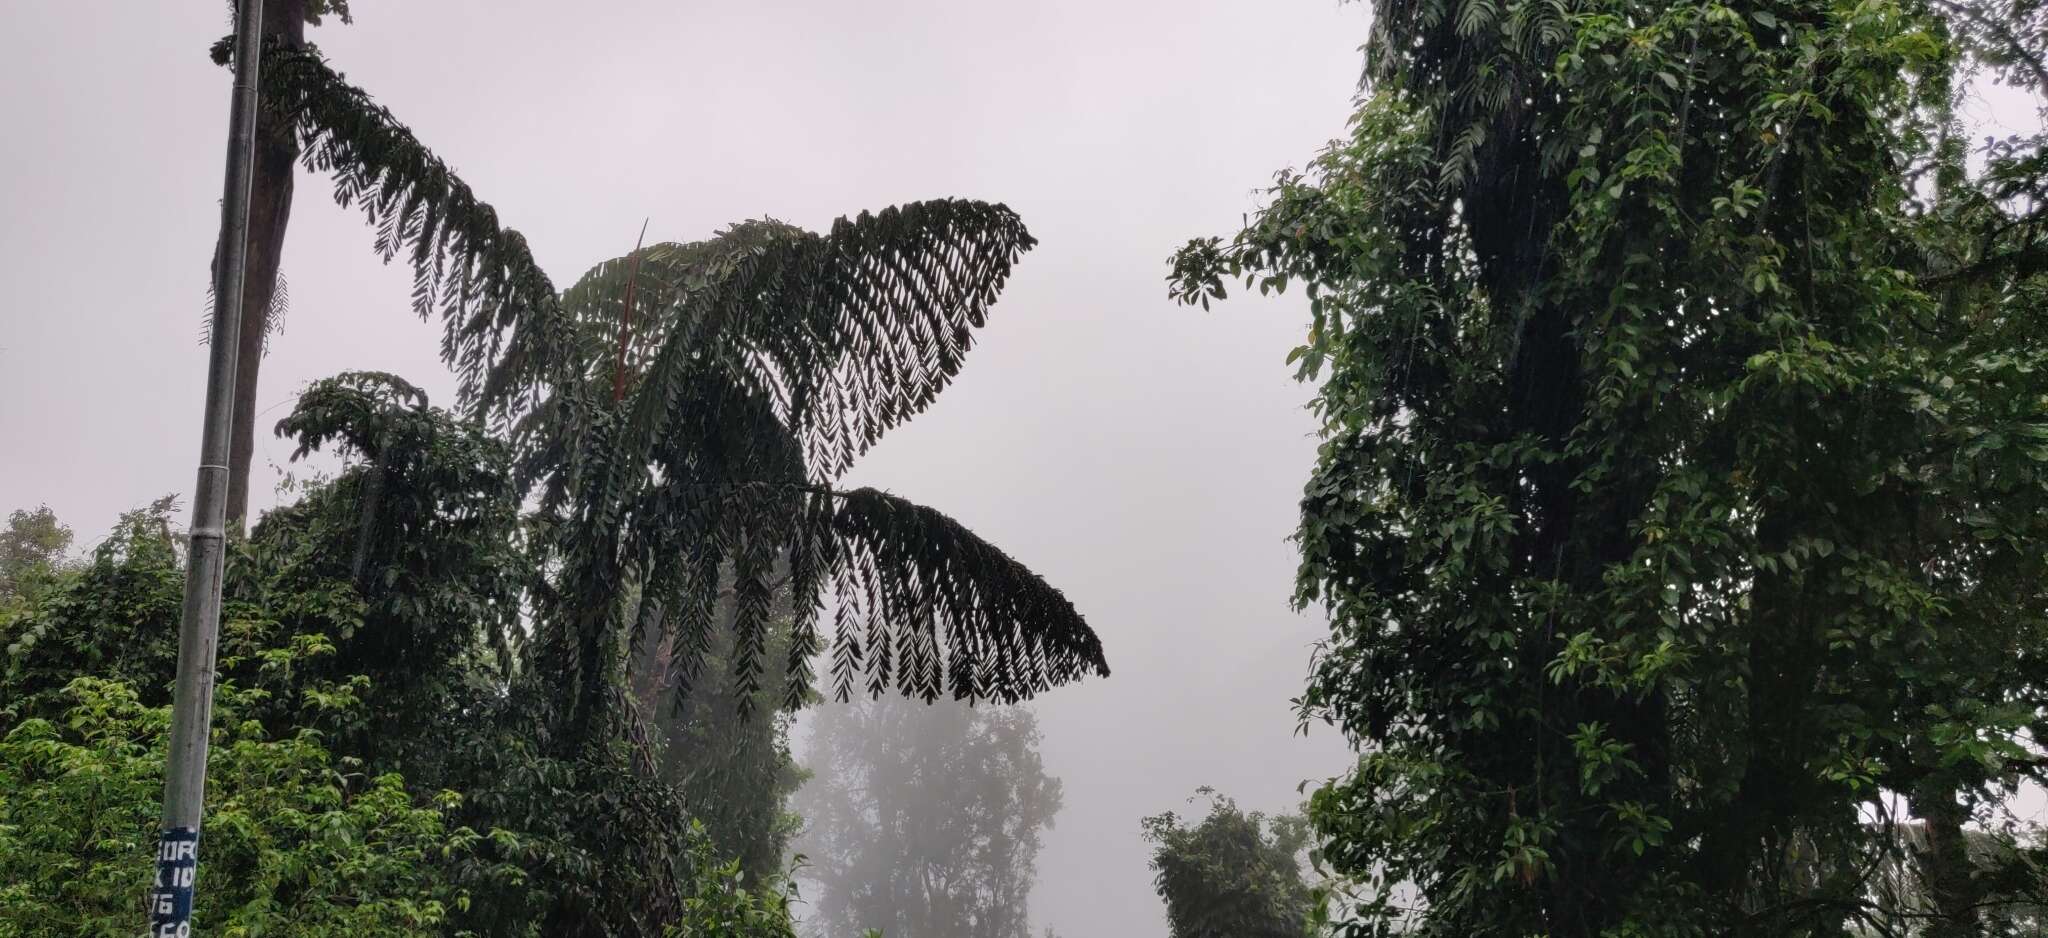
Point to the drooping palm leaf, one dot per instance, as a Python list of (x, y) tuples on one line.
[(924, 606), (502, 322)]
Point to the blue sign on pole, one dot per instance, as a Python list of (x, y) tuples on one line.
[(170, 903)]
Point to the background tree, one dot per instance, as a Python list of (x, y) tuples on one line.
[(31, 551), (730, 758), (1682, 493), (923, 821), (1231, 874)]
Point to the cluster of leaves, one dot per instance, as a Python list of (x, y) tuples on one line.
[(1681, 507), (1232, 874), (722, 902), (304, 837), (923, 820)]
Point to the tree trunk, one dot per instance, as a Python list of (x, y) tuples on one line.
[(1944, 861), (366, 519), (270, 209)]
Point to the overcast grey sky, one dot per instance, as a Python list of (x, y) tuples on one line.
[(1144, 458)]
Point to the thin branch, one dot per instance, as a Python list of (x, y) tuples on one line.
[(2021, 55)]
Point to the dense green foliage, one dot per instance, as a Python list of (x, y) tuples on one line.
[(299, 843), (370, 636), (305, 836), (1684, 496), (923, 820), (1232, 874)]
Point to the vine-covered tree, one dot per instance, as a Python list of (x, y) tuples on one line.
[(1681, 507), (1231, 874), (923, 821)]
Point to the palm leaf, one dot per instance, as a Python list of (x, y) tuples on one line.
[(922, 606), (851, 332), (502, 323)]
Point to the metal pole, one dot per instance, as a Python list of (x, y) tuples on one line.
[(170, 906)]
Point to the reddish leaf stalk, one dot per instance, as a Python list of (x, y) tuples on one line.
[(626, 319)]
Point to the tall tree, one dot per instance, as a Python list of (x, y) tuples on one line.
[(710, 430), (1683, 486), (923, 821), (1231, 874)]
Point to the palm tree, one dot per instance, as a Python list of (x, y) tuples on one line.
[(705, 436)]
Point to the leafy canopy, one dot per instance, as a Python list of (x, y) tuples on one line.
[(1680, 509)]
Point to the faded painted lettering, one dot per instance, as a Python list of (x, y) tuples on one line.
[(177, 865)]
